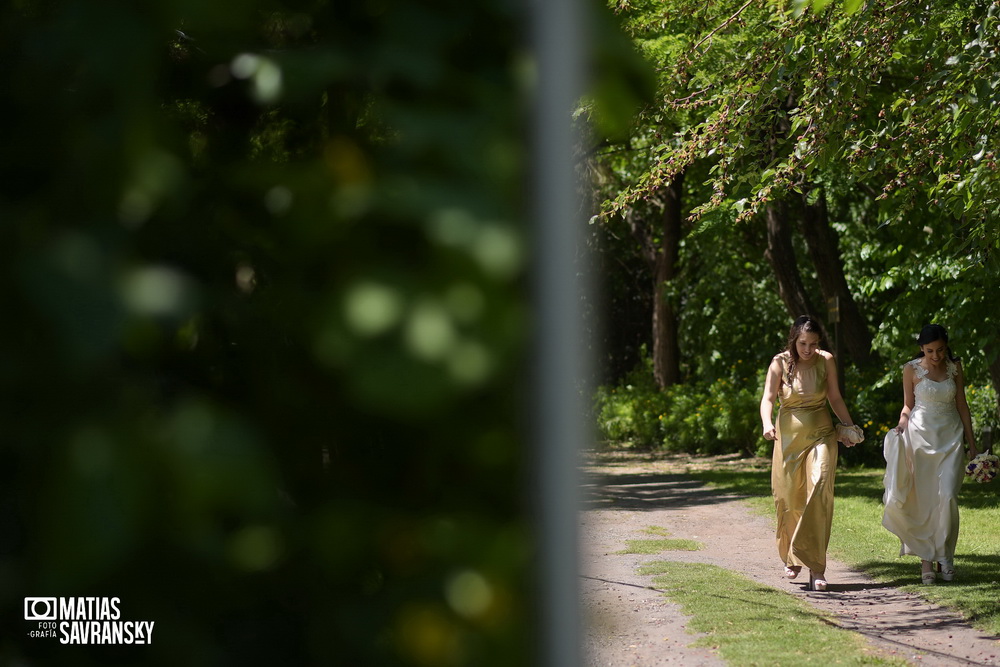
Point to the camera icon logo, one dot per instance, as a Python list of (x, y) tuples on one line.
[(40, 609)]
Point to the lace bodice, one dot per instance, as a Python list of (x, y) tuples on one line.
[(931, 395)]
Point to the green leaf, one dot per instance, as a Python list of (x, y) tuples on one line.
[(852, 6)]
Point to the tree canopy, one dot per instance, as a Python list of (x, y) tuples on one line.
[(830, 153)]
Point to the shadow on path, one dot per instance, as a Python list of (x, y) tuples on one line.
[(648, 492)]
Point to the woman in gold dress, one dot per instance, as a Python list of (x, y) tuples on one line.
[(804, 376)]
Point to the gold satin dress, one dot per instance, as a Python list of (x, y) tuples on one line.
[(803, 466)]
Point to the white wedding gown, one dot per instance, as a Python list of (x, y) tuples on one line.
[(924, 470)]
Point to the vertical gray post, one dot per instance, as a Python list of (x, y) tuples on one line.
[(557, 35)]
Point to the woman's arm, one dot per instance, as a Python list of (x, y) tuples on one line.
[(771, 385), (904, 414), (833, 391), (963, 410)]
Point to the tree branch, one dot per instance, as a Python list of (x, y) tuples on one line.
[(724, 23)]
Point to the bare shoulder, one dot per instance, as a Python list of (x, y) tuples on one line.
[(827, 356), (775, 368)]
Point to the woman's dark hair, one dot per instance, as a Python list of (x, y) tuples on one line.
[(932, 333), (801, 325)]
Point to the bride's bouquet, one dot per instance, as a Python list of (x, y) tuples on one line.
[(983, 468)]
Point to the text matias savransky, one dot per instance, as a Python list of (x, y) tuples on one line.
[(85, 620)]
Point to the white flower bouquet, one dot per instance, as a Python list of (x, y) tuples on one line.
[(983, 468)]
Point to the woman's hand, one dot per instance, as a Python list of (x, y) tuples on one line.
[(901, 426), (769, 433)]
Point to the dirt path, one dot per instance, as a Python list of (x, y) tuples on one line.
[(629, 624)]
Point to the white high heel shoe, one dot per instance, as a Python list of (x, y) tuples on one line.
[(817, 582)]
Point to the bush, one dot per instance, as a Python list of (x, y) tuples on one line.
[(875, 398), (983, 408), (737, 414), (629, 413), (721, 416), (710, 417)]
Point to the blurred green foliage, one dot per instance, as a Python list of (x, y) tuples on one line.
[(264, 284)]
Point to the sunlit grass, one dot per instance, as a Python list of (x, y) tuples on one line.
[(648, 547), (745, 620), (860, 541)]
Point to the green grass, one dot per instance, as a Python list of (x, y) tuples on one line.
[(648, 547), (859, 539), (745, 620)]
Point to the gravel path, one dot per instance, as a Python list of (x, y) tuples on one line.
[(629, 624)]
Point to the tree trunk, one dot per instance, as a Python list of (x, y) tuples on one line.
[(824, 251), (666, 348), (781, 256)]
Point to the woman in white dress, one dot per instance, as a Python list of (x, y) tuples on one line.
[(925, 459)]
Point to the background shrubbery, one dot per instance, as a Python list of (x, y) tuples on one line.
[(704, 417), (722, 415)]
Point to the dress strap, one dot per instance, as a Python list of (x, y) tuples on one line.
[(919, 370), (952, 369)]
